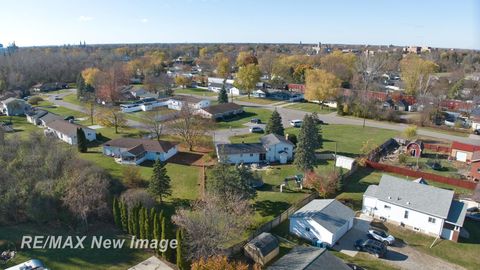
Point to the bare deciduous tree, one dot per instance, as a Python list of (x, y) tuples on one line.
[(213, 223), (154, 123), (189, 127)]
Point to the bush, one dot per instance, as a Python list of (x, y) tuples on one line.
[(35, 100), (410, 132), (402, 158)]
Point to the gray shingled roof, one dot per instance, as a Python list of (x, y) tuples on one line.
[(371, 191), (408, 194), (273, 139), (457, 213), (309, 258), (265, 243), (65, 127), (330, 214), (240, 148), (50, 117), (147, 145)]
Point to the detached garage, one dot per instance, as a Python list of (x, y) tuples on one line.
[(323, 222), (464, 152)]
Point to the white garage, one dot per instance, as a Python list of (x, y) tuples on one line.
[(323, 222), (461, 156)]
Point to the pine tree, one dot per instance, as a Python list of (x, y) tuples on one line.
[(180, 261), (80, 86), (222, 95), (164, 236), (130, 223), (116, 213), (148, 229), (136, 221), (81, 141), (151, 217), (124, 216), (275, 125), (156, 226), (309, 139), (141, 222), (160, 181)]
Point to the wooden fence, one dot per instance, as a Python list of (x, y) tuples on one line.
[(437, 148), (417, 174), (271, 224)]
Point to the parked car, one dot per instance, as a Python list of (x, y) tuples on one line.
[(68, 118), (58, 98), (374, 247), (381, 236), (296, 123), (476, 132), (256, 130), (255, 121), (473, 213)]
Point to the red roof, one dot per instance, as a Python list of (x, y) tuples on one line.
[(465, 147)]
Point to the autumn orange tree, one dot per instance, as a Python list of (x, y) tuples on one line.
[(326, 185)]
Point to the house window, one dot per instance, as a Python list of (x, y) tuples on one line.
[(285, 149), (251, 155), (241, 155), (387, 207), (307, 229), (431, 220), (405, 215), (416, 229)]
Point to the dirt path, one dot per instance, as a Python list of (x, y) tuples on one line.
[(406, 257)]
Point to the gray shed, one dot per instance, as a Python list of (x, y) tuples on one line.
[(262, 248)]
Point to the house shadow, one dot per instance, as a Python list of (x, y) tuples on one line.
[(185, 158), (393, 255), (237, 117)]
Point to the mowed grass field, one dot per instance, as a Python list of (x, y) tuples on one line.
[(196, 91), (311, 107)]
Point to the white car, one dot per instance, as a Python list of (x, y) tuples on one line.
[(296, 123), (381, 236), (256, 130)]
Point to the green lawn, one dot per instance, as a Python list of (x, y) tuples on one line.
[(342, 135), (141, 116), (49, 106), (21, 127), (240, 120), (311, 107), (464, 253), (262, 101), (446, 131), (73, 259), (72, 98), (196, 91)]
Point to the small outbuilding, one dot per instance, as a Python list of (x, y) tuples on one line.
[(344, 162), (262, 248), (415, 148), (323, 222)]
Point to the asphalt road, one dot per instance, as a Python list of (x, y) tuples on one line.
[(221, 136)]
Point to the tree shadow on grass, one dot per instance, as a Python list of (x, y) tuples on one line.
[(270, 208)]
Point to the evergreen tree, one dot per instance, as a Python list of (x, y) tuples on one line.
[(124, 216), (136, 221), (164, 236), (148, 228), (80, 86), (160, 182), (180, 260), (275, 125), (222, 95), (130, 223), (116, 213), (141, 221), (309, 139), (81, 141)]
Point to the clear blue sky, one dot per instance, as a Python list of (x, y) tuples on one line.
[(454, 23)]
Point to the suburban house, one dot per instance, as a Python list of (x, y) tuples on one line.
[(323, 222), (177, 102), (144, 104), (219, 111), (216, 84), (135, 151), (309, 258), (415, 148), (14, 106), (45, 87), (41, 117), (271, 148), (415, 206), (67, 131), (263, 248), (464, 152)]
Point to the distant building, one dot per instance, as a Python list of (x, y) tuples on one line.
[(67, 131), (464, 152), (14, 107), (135, 151), (220, 111)]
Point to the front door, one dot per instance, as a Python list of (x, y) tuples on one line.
[(263, 157)]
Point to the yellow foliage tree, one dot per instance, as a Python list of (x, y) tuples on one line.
[(416, 74), (223, 68), (320, 85), (91, 76), (247, 77)]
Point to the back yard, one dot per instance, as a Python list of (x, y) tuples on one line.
[(240, 120)]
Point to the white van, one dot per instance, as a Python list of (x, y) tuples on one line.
[(296, 123)]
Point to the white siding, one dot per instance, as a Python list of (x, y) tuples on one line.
[(298, 226), (273, 153), (243, 158), (397, 214)]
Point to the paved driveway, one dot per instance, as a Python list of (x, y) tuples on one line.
[(358, 231)]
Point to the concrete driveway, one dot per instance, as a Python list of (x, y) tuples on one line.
[(359, 230)]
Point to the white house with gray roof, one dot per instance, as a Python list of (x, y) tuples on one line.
[(322, 222), (271, 148), (416, 206)]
